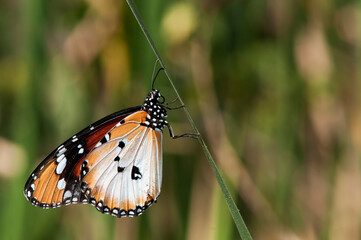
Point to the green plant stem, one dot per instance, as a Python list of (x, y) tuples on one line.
[(238, 220)]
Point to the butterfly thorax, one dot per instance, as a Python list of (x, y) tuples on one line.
[(153, 105)]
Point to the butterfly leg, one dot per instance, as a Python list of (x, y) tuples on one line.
[(173, 101), (165, 104), (174, 108), (190, 135)]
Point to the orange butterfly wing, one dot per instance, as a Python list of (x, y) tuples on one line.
[(114, 164), (120, 172), (60, 171)]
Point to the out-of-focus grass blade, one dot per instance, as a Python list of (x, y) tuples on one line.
[(241, 226)]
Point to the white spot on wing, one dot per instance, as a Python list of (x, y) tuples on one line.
[(59, 169), (61, 151), (58, 160), (61, 184), (67, 194)]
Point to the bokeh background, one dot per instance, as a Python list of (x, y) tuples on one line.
[(274, 87)]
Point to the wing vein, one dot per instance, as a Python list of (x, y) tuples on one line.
[(135, 156)]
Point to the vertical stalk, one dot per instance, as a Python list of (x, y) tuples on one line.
[(238, 220)]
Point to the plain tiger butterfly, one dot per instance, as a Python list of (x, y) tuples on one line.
[(115, 164)]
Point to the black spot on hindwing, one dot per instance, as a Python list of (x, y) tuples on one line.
[(121, 144), (136, 173)]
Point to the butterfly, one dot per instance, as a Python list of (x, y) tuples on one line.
[(115, 164)]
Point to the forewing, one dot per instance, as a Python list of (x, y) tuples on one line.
[(57, 179)]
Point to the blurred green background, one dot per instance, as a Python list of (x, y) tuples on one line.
[(273, 85)]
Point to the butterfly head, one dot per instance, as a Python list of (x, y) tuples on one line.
[(157, 113)]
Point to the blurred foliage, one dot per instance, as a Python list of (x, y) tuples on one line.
[(273, 86)]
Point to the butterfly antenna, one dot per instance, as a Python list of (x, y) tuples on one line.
[(156, 75), (155, 66)]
